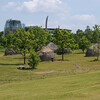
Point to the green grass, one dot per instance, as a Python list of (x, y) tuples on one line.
[(66, 82)]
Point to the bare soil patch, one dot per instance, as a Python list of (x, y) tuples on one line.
[(45, 72)]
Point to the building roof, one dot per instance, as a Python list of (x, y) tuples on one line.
[(45, 49)]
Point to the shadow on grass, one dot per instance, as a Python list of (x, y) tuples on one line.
[(79, 53), (26, 68), (94, 60), (10, 64), (62, 60), (18, 58)]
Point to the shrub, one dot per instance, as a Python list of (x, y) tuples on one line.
[(34, 60)]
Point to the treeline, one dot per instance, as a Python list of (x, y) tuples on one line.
[(26, 42), (85, 38), (93, 35), (35, 38)]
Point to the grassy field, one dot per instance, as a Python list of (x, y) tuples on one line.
[(59, 80)]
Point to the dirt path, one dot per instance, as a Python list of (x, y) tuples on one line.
[(45, 72)]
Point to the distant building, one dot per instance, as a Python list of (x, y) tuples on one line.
[(51, 30), (16, 24), (12, 25)]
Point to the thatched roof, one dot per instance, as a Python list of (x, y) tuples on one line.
[(45, 49), (52, 46), (46, 54)]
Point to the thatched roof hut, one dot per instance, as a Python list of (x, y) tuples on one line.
[(91, 51), (46, 54)]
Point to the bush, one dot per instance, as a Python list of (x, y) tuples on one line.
[(34, 60)]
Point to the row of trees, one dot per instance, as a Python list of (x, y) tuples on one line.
[(85, 38), (35, 38), (27, 42), (93, 35)]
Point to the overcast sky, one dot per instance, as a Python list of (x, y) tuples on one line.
[(70, 14)]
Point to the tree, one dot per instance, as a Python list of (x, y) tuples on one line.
[(97, 50), (34, 38), (33, 59), (96, 34), (6, 41), (89, 34), (1, 39), (63, 40), (41, 37), (9, 38), (84, 43), (79, 34), (23, 41)]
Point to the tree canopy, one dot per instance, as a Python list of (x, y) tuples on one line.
[(63, 40), (84, 43), (33, 39)]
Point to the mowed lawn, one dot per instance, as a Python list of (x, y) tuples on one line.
[(59, 80)]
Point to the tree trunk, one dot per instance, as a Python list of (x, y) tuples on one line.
[(83, 51), (62, 54), (98, 54), (98, 57), (24, 57)]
